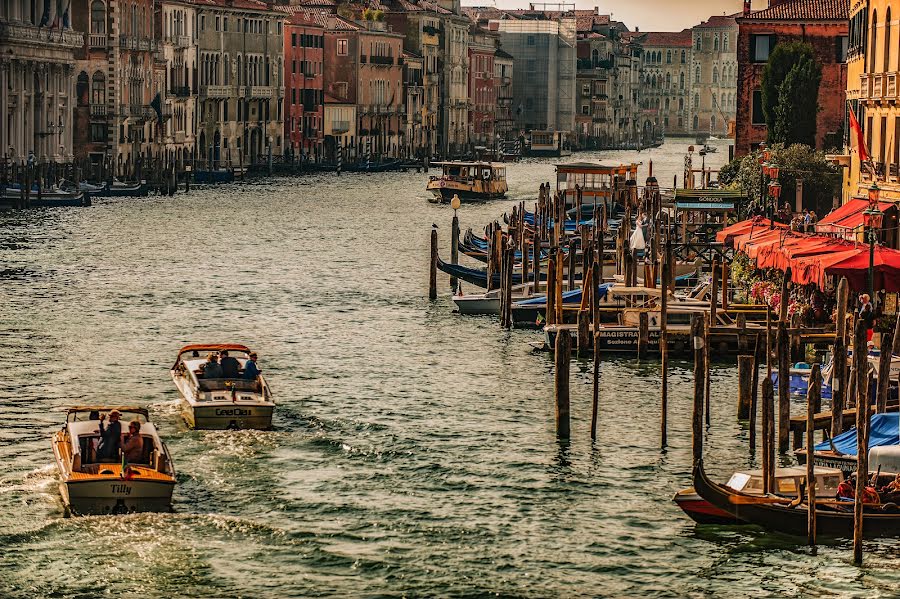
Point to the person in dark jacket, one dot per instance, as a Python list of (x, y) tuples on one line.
[(251, 370), (230, 366), (110, 437), (211, 368)]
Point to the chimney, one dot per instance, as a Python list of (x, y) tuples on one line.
[(746, 7)]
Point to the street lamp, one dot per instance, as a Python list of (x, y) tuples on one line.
[(872, 218)]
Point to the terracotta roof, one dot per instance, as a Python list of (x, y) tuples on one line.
[(587, 23), (803, 10), (336, 23), (717, 22), (236, 4), (668, 39), (301, 16), (500, 53), (329, 99)]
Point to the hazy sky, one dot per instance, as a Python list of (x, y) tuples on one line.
[(647, 15)]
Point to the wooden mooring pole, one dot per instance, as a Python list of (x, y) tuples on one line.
[(454, 249), (860, 359), (813, 397), (884, 371), (697, 337), (768, 435), (839, 371), (595, 309), (563, 356), (745, 385), (754, 390), (784, 389), (664, 351), (432, 274)]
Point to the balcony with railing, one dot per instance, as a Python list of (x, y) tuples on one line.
[(98, 40), (382, 60), (340, 127), (99, 111), (215, 91), (137, 44), (260, 91), (30, 34), (180, 91)]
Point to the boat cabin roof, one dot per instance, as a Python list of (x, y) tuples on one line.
[(478, 164), (598, 168), (85, 413)]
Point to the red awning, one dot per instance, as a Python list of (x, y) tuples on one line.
[(886, 267), (757, 224), (810, 270), (848, 216)]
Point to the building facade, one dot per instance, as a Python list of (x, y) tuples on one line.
[(416, 142), (545, 57), (175, 29), (481, 86), (714, 81), (873, 62), (823, 24), (241, 82), (666, 84), (304, 99), (504, 123), (37, 81)]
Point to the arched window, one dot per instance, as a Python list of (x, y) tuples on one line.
[(716, 43), (595, 57), (98, 17), (82, 89), (668, 80), (696, 101), (697, 43), (715, 74), (887, 40), (697, 74), (712, 122), (667, 104), (668, 57), (696, 122), (226, 79), (98, 88), (874, 39), (681, 81), (680, 104), (683, 55)]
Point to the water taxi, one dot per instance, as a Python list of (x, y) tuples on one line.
[(233, 402), (90, 486), (469, 180)]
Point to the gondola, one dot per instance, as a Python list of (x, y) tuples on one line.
[(780, 515), (477, 277)]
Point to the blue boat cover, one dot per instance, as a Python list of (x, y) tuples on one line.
[(569, 297), (884, 430)]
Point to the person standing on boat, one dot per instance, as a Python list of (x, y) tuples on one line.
[(211, 369), (110, 437), (251, 370)]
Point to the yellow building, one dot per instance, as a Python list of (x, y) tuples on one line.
[(873, 91)]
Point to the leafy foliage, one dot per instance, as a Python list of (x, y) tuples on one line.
[(784, 58), (821, 178), (796, 111)]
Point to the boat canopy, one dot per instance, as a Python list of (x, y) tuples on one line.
[(883, 430), (214, 347), (479, 164)]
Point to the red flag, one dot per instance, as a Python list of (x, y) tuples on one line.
[(860, 141)]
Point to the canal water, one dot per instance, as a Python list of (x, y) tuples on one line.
[(414, 452)]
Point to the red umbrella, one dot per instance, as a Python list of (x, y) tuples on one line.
[(856, 268), (756, 225)]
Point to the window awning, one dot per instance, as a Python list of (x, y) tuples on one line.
[(848, 216)]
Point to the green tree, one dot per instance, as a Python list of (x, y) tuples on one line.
[(821, 178), (795, 113), (785, 57)]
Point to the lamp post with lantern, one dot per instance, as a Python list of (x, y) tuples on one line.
[(872, 218)]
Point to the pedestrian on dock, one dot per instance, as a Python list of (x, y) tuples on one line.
[(867, 314)]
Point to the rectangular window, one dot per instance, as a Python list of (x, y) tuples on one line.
[(342, 47), (98, 132), (225, 24), (586, 90), (869, 127), (758, 117), (842, 43), (896, 143), (585, 109), (217, 23), (202, 22), (760, 47), (225, 110), (883, 156), (293, 40)]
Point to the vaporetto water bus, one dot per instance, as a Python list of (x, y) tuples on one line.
[(231, 402)]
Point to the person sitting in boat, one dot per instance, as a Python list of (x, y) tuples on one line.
[(134, 443), (110, 437), (251, 370), (846, 490), (211, 368), (230, 366)]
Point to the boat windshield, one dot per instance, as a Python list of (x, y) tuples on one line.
[(85, 414)]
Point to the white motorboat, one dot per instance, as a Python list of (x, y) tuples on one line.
[(488, 302), (89, 486), (221, 403)]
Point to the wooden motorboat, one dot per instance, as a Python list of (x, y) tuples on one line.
[(469, 180), (88, 486), (782, 515), (487, 303), (788, 482), (221, 403)]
